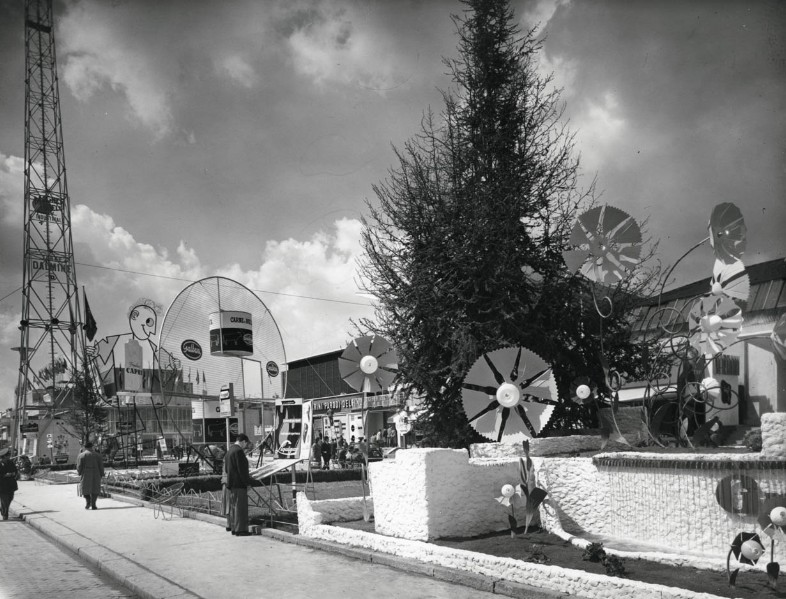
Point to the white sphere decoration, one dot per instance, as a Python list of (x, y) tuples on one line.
[(778, 516), (508, 490), (508, 395), (583, 391), (369, 364), (752, 550)]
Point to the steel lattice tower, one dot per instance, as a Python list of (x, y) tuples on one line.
[(52, 336)]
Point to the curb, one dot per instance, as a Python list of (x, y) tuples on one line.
[(413, 566), (147, 584), (144, 583), (467, 579)]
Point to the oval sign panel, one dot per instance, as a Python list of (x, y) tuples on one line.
[(191, 349), (271, 368)]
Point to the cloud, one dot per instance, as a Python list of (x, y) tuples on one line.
[(331, 48), (97, 56), (12, 188), (599, 131), (290, 277), (539, 13), (293, 273), (293, 278), (238, 70)]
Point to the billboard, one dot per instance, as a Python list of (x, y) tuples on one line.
[(293, 428)]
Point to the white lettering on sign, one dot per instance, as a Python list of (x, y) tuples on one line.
[(52, 264)]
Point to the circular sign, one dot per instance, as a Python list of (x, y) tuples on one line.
[(272, 368), (191, 349)]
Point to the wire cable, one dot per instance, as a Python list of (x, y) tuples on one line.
[(147, 274)]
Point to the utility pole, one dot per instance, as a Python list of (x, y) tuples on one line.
[(50, 325)]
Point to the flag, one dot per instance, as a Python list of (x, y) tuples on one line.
[(197, 376), (90, 327), (189, 374)]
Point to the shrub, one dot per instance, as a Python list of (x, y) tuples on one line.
[(614, 566), (594, 552), (752, 439), (537, 555)]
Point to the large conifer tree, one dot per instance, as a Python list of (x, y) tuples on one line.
[(464, 248)]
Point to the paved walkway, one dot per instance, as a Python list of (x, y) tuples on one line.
[(33, 567), (184, 557)]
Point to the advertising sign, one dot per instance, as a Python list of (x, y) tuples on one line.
[(231, 333), (49, 267), (191, 349), (132, 373), (227, 407), (210, 408), (289, 427)]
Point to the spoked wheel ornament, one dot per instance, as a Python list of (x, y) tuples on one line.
[(509, 394), (368, 364), (607, 245)]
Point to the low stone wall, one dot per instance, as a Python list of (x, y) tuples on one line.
[(546, 446), (563, 581), (672, 501), (773, 435)]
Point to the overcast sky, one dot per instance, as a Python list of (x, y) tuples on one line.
[(241, 138)]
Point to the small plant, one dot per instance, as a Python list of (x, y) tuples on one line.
[(594, 552), (614, 566), (526, 494), (537, 555)]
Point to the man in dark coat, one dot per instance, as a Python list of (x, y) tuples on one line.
[(90, 468), (238, 480), (8, 486)]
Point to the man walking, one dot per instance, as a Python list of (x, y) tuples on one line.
[(238, 480), (90, 468), (8, 486)]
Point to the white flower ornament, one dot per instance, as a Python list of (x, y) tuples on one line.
[(715, 323)]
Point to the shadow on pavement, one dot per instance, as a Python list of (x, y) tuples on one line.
[(21, 514)]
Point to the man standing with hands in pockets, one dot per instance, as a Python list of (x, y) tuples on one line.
[(238, 480), (8, 486)]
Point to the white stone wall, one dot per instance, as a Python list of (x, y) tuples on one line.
[(432, 493), (773, 435), (561, 581), (577, 499), (537, 447)]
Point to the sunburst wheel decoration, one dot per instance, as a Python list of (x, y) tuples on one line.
[(607, 244), (715, 322), (727, 232), (778, 337), (368, 364), (583, 391), (730, 280), (505, 394)]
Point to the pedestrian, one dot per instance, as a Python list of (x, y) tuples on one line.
[(326, 454), (8, 486), (238, 481), (316, 450), (90, 468)]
